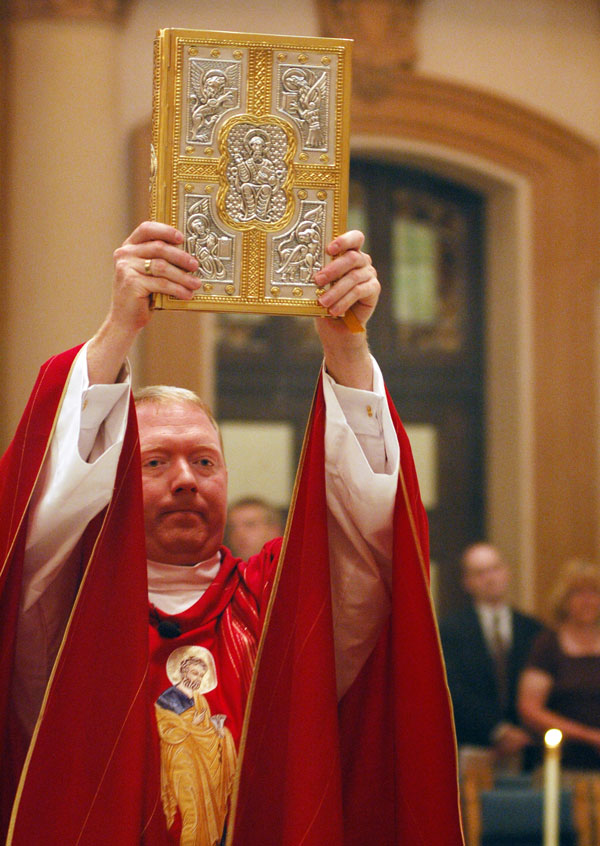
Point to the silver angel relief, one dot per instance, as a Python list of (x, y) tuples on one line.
[(207, 242), (304, 96), (214, 89), (299, 253)]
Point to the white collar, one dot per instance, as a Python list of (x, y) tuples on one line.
[(174, 588)]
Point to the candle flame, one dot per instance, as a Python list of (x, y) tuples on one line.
[(553, 738)]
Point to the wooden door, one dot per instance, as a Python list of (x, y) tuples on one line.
[(425, 237)]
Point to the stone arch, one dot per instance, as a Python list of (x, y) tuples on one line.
[(542, 182)]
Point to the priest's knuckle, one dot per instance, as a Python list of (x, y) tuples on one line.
[(122, 265), (160, 249), (144, 232), (355, 258), (159, 266)]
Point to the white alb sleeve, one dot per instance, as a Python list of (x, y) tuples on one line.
[(78, 475), (75, 483), (362, 457)]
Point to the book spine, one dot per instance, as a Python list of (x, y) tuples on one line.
[(162, 124), (162, 144), (155, 128)]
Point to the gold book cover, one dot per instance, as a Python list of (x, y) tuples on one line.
[(250, 158)]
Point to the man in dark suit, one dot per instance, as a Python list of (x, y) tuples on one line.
[(485, 647)]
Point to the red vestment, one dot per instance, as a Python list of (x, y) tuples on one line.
[(227, 620), (381, 768)]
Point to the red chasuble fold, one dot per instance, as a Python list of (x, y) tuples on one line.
[(90, 776), (380, 768)]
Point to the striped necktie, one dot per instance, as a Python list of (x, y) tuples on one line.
[(499, 653)]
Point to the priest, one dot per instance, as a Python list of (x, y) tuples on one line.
[(156, 689)]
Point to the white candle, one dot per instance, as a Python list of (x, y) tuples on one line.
[(552, 740)]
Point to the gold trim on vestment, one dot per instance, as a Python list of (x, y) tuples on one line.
[(271, 602), (18, 529), (424, 571), (40, 718), (35, 731)]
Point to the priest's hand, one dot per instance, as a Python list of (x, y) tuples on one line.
[(150, 261), (353, 287)]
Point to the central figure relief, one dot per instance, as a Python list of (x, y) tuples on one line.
[(257, 172)]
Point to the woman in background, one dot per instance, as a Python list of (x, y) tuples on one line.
[(560, 686)]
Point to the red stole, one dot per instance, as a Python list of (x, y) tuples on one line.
[(381, 766), (227, 620), (81, 781), (380, 769)]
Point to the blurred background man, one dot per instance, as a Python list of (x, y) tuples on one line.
[(251, 522), (485, 646)]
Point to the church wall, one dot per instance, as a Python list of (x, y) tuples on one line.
[(545, 57), (4, 322), (78, 89), (542, 53), (67, 196)]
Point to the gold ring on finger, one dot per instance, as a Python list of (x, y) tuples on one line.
[(147, 267)]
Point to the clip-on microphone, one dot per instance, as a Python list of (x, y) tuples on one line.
[(165, 628)]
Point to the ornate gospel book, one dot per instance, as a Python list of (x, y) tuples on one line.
[(250, 155)]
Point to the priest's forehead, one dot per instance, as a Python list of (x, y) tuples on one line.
[(169, 395)]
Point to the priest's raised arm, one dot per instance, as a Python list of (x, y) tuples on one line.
[(76, 576)]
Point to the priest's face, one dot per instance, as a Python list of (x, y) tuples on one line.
[(184, 480)]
